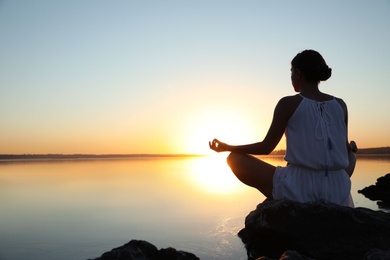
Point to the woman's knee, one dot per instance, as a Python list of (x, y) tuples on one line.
[(234, 159), (230, 158)]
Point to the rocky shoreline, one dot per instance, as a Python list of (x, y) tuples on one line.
[(283, 229), (379, 192), (315, 230), (143, 250)]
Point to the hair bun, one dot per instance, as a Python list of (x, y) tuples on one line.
[(324, 72), (313, 65)]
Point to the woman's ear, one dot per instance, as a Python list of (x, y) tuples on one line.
[(298, 73)]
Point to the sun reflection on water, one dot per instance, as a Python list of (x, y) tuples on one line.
[(213, 175)]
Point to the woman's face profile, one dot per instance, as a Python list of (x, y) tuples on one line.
[(295, 75)]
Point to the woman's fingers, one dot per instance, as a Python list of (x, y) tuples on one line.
[(214, 144), (353, 146)]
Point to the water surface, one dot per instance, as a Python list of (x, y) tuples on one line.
[(78, 209)]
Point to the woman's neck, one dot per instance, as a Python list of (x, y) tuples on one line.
[(310, 90)]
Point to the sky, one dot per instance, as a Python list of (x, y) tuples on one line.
[(168, 76)]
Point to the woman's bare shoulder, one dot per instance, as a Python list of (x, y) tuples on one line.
[(290, 101), (342, 104), (288, 104), (340, 100)]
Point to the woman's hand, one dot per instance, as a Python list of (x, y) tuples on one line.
[(352, 147), (218, 146)]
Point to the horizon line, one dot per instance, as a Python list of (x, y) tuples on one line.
[(277, 152)]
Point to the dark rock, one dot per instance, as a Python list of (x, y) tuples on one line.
[(135, 249), (173, 254), (380, 191), (143, 250), (317, 230), (288, 255), (377, 254)]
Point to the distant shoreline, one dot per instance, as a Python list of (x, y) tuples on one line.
[(29, 157), (361, 151)]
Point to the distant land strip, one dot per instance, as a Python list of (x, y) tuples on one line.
[(362, 151), (86, 156), (379, 150)]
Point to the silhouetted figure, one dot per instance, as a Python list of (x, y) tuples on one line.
[(320, 160)]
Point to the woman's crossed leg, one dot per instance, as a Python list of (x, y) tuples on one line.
[(253, 172)]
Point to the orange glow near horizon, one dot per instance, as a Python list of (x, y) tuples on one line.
[(227, 126), (178, 136)]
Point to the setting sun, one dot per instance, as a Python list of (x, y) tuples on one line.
[(228, 126)]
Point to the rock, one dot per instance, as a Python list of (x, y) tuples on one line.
[(316, 230), (173, 254), (288, 255), (380, 191), (377, 254), (143, 250)]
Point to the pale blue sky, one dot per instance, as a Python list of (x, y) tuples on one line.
[(134, 76)]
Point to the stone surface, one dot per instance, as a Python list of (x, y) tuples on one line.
[(288, 255), (380, 191), (316, 230), (143, 250), (377, 254)]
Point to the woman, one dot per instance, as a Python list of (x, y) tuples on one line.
[(319, 158)]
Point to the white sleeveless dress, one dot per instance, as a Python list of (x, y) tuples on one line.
[(317, 155)]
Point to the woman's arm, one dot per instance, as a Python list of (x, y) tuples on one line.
[(352, 149), (282, 113), (351, 146)]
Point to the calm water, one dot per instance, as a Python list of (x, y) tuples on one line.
[(80, 209)]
